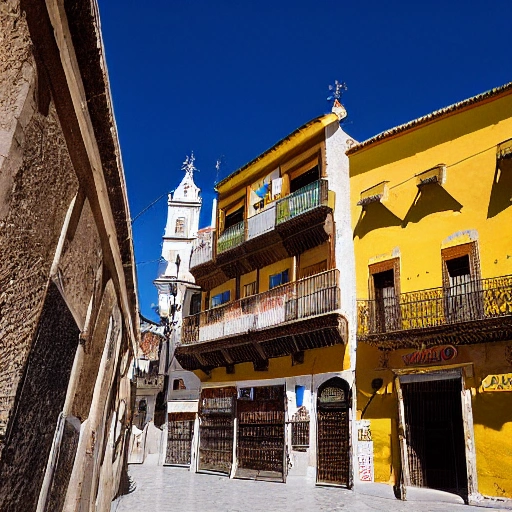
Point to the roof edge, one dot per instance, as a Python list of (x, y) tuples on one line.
[(433, 116), (324, 120)]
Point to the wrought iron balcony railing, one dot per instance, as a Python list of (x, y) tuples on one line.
[(301, 201), (311, 296), (474, 300)]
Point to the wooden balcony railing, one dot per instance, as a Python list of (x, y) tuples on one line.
[(301, 299), (202, 249), (301, 201), (474, 300), (231, 237)]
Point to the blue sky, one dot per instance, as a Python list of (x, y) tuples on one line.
[(228, 79)]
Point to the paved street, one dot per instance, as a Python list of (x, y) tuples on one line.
[(162, 489)]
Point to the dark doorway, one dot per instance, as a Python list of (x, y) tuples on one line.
[(435, 435), (387, 311), (333, 452), (234, 218), (305, 179)]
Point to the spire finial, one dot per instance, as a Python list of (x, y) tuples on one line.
[(337, 91), (188, 165)]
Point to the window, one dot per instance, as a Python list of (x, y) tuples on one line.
[(220, 298), (250, 289), (195, 304), (178, 384), (305, 179), (385, 292), (278, 279), (234, 218), (180, 226), (462, 288)]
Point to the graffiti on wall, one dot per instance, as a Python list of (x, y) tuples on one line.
[(497, 382)]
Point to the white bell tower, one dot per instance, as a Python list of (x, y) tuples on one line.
[(174, 277)]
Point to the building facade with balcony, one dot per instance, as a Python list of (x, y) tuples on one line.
[(432, 216), (274, 343)]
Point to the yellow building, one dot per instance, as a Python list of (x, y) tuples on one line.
[(432, 227), (274, 344)]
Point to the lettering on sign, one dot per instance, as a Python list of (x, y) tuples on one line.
[(430, 355), (499, 382)]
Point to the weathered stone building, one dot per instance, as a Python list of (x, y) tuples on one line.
[(68, 307)]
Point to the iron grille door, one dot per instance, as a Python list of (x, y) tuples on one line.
[(333, 451), (216, 429), (180, 430), (261, 434), (435, 435)]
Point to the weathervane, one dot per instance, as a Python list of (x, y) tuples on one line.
[(188, 165), (337, 90)]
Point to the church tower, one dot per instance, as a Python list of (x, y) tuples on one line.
[(174, 278)]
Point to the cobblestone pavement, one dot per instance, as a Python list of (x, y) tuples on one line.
[(162, 489)]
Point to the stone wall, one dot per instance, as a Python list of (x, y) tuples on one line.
[(68, 309)]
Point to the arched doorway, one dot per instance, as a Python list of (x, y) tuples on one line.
[(333, 452)]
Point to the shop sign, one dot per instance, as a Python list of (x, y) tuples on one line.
[(364, 451), (430, 355), (220, 405), (498, 382)]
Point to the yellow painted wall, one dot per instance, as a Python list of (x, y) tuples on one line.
[(275, 268), (466, 143), (319, 360), (492, 413), (315, 255), (415, 228), (246, 279)]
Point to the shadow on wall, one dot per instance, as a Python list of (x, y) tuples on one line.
[(493, 410), (431, 198), (375, 216), (501, 192)]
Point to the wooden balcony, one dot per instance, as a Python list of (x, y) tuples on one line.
[(473, 312), (285, 320), (287, 227)]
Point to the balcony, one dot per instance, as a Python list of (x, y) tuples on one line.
[(473, 312), (231, 237), (301, 201), (287, 227), (202, 249), (287, 319)]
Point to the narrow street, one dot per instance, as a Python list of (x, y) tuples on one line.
[(162, 489)]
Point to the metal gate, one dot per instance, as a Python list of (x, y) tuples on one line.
[(216, 420), (180, 430), (333, 449), (261, 429), (435, 435)]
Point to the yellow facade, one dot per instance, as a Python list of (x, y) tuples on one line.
[(467, 203)]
